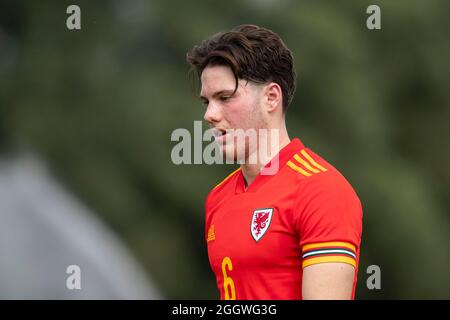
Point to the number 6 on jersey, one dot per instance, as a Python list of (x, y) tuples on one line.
[(228, 283)]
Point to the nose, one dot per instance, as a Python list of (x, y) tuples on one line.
[(213, 113)]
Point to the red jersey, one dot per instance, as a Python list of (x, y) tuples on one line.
[(259, 239)]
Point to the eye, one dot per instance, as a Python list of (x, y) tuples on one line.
[(205, 102), (224, 98)]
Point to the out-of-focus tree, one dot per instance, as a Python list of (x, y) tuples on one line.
[(100, 105)]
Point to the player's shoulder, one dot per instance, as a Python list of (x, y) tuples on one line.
[(322, 187), (306, 165), (314, 172)]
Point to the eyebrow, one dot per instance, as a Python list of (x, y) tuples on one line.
[(217, 93)]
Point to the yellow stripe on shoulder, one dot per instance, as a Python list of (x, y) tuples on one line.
[(305, 164), (226, 178), (312, 161), (297, 168)]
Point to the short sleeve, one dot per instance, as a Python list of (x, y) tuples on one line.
[(329, 221)]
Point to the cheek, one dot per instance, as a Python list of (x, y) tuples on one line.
[(234, 114), (240, 114)]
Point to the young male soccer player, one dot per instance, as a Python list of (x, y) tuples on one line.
[(292, 234)]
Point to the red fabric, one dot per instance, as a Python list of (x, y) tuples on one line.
[(321, 207)]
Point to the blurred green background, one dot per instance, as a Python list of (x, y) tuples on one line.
[(100, 104)]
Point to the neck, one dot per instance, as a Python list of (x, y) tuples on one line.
[(251, 170)]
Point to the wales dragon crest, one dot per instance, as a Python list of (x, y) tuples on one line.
[(260, 222)]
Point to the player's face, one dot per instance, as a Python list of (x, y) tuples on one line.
[(225, 110)]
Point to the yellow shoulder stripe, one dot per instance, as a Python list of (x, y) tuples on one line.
[(314, 163), (227, 177), (298, 169), (305, 164)]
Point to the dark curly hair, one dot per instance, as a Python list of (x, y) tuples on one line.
[(253, 53)]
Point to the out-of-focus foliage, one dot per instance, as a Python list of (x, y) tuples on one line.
[(100, 105)]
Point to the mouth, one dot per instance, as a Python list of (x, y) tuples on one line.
[(219, 134)]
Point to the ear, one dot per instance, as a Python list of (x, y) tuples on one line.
[(274, 97)]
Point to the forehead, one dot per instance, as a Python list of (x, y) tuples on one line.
[(216, 78)]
